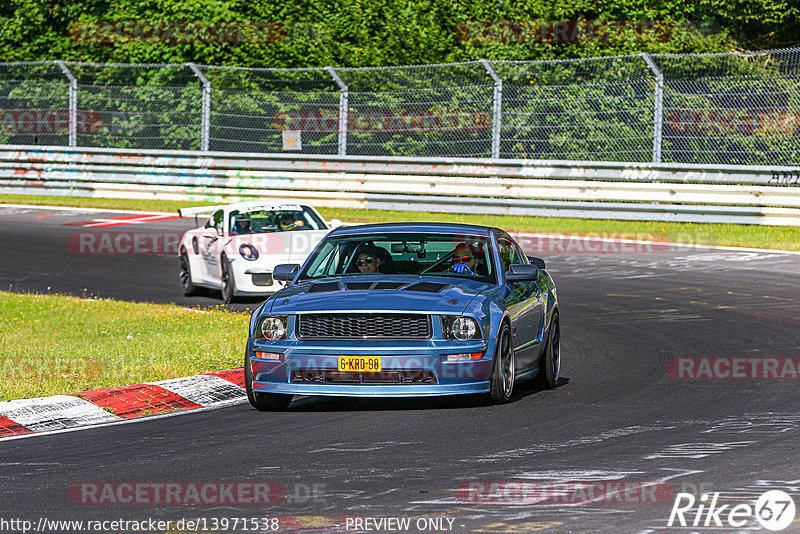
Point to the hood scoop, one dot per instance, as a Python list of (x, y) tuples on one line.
[(389, 285), (359, 286), (426, 287), (368, 286), (323, 287), (422, 287)]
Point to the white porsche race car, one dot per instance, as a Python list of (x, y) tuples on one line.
[(237, 248)]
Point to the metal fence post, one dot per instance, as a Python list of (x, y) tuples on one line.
[(497, 107), (344, 98), (73, 103), (658, 110), (205, 120)]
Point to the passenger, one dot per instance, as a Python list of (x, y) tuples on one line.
[(241, 226), (465, 259), (368, 261)]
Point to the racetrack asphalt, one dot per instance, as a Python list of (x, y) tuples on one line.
[(618, 415)]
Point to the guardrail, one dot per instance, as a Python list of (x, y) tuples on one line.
[(606, 190)]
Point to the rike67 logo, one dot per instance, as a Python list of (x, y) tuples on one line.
[(774, 510)]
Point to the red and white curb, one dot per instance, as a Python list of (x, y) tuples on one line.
[(110, 405), (125, 220)]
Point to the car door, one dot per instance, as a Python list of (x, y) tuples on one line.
[(524, 305), (210, 246)]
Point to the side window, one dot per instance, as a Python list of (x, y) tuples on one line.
[(521, 253), (325, 262), (216, 221), (508, 253)]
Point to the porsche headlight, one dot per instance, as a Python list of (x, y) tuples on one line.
[(460, 328), (248, 252), (272, 328)]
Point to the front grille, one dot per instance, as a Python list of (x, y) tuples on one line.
[(365, 325), (332, 376)]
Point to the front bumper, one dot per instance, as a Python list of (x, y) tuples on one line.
[(363, 390), (428, 358), (254, 277)]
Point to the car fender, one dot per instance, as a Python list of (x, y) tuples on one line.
[(196, 264), (548, 287), (254, 319), (490, 314), (186, 241)]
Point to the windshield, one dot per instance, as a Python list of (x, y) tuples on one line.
[(285, 220), (463, 256)]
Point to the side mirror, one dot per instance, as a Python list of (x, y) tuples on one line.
[(335, 223), (539, 262), (285, 272), (518, 272)]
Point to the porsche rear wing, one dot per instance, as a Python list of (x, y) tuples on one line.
[(200, 210)]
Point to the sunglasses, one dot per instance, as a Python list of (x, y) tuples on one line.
[(364, 261), (462, 259)]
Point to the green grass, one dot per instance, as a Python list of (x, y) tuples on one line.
[(734, 235), (56, 344)]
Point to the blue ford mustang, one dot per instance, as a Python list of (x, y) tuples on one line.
[(401, 310)]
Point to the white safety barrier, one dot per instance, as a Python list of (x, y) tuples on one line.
[(604, 190)]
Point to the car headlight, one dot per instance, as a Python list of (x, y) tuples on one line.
[(272, 328), (460, 328), (248, 252)]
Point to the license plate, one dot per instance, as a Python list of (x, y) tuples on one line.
[(366, 364)]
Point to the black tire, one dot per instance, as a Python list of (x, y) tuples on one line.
[(550, 363), (502, 378), (189, 289), (228, 283), (263, 402)]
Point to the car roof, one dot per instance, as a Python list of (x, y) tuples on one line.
[(425, 227), (249, 205), (256, 205)]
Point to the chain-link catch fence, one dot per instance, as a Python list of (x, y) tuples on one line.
[(736, 108)]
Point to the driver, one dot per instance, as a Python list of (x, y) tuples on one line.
[(241, 226), (368, 260), (287, 222), (465, 259)]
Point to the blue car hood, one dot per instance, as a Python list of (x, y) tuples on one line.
[(409, 294)]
